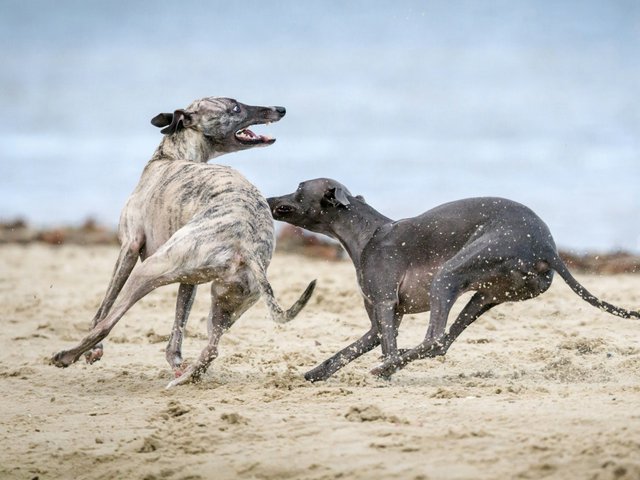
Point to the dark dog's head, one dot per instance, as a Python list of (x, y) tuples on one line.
[(222, 121), (315, 205)]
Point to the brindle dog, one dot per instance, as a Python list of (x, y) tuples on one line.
[(192, 223)]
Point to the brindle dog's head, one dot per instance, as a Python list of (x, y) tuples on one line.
[(222, 121)]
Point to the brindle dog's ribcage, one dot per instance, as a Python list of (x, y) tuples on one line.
[(219, 205)]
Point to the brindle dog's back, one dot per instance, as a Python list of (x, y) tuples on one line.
[(171, 194)]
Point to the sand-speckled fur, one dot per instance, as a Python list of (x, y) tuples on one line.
[(191, 223), (497, 248)]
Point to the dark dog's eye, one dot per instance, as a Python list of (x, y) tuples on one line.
[(236, 109)]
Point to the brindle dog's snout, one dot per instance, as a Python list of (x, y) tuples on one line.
[(281, 111)]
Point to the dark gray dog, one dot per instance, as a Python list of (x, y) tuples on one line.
[(496, 247), (192, 223)]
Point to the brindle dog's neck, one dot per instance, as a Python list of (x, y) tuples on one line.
[(187, 145)]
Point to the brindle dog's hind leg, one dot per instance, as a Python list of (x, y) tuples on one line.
[(228, 302), (129, 253), (186, 296), (155, 272)]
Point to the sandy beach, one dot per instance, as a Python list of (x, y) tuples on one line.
[(547, 388)]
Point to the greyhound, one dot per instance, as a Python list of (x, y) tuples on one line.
[(495, 247), (192, 223)]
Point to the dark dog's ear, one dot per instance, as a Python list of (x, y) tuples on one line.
[(176, 121), (336, 197), (361, 198)]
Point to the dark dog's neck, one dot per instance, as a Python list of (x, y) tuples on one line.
[(186, 145), (366, 219)]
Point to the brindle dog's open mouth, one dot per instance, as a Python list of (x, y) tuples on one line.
[(247, 137)]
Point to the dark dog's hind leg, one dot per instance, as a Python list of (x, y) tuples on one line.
[(467, 268), (477, 306)]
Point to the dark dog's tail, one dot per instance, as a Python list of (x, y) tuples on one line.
[(277, 314), (559, 266)]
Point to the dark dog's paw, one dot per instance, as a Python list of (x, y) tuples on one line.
[(385, 370), (379, 371), (315, 375)]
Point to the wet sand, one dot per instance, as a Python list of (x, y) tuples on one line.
[(546, 388)]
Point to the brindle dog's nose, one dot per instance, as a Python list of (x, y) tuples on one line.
[(281, 110)]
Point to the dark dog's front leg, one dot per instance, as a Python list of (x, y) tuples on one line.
[(366, 343), (386, 320)]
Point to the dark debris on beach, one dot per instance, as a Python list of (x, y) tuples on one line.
[(290, 239), (88, 233)]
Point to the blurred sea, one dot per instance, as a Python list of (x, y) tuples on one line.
[(409, 103)]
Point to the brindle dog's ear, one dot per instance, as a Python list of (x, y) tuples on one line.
[(336, 197), (162, 120), (176, 121)]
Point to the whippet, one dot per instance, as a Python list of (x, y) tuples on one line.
[(192, 223), (496, 247)]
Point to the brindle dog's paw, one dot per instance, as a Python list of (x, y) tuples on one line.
[(94, 355), (190, 374), (181, 380), (180, 369), (61, 359)]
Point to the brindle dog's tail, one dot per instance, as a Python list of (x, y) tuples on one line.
[(556, 263), (277, 314)]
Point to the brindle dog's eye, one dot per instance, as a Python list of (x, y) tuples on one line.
[(236, 109)]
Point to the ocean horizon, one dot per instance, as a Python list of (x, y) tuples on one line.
[(410, 104)]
